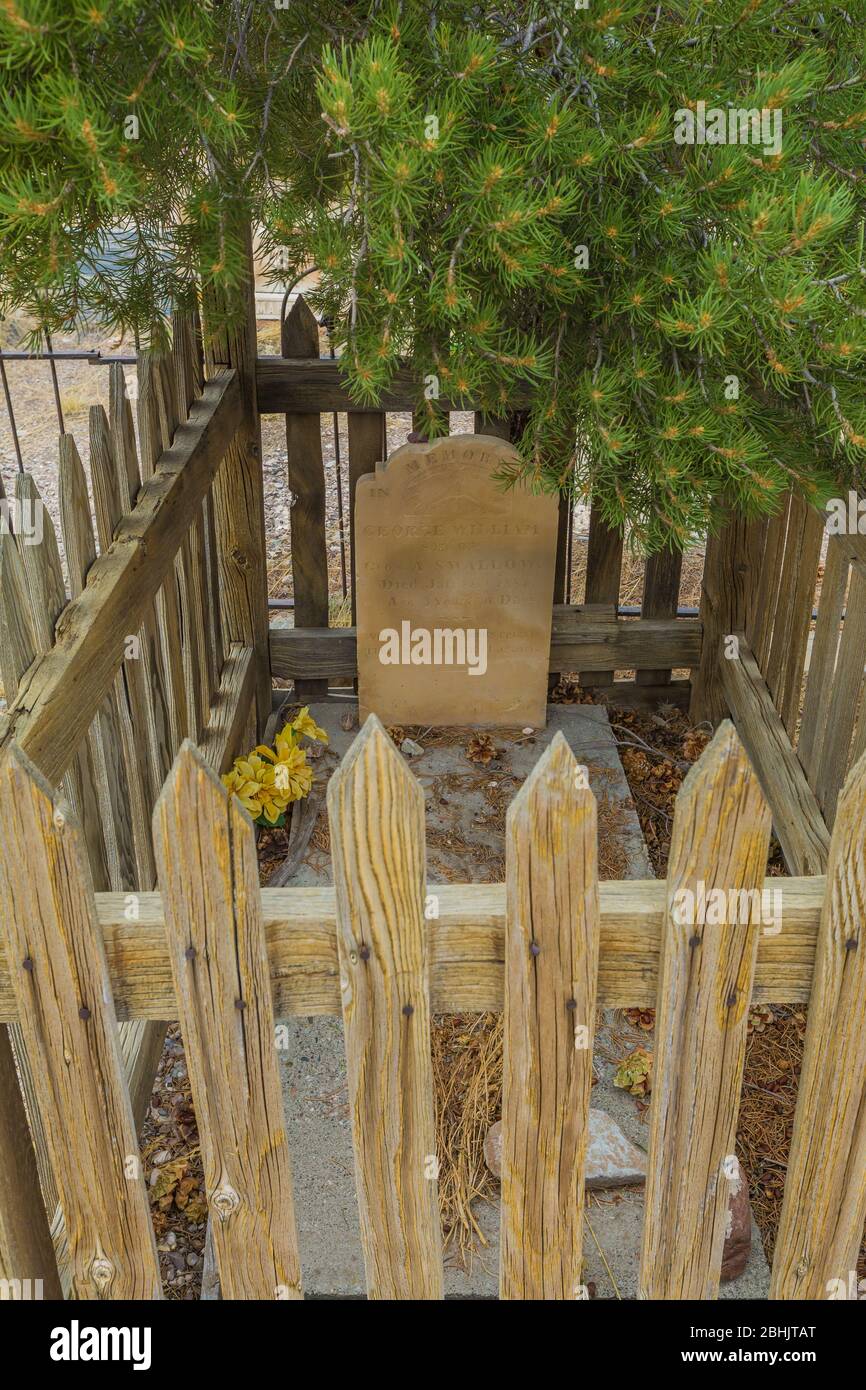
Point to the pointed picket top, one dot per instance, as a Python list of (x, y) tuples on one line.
[(551, 974), (17, 643), (373, 763), (193, 783), (209, 879), (37, 545), (54, 945), (721, 826), (719, 845), (557, 783), (104, 476), (123, 437), (75, 518), (824, 1208), (376, 816)]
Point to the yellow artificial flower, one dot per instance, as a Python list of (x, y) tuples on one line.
[(304, 723), (268, 780)]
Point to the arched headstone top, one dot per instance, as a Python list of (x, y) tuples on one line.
[(455, 587)]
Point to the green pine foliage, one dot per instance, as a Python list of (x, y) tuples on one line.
[(497, 194)]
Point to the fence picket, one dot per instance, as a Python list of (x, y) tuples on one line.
[(142, 678), (103, 736), (300, 338), (17, 644), (720, 839), (208, 873), (603, 571), (824, 1207), (51, 933), (47, 597), (551, 969), (843, 696), (813, 726), (376, 814)]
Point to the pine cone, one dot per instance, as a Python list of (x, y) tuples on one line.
[(481, 749)]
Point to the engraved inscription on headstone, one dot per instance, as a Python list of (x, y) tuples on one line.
[(455, 588)]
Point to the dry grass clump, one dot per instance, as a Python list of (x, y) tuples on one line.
[(467, 1080)]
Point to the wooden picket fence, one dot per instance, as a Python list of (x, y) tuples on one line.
[(550, 947), (104, 682)]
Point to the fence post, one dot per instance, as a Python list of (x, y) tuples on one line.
[(720, 839), (728, 596), (824, 1207), (603, 571), (26, 1248), (300, 338), (551, 969), (661, 597), (57, 960), (367, 447), (376, 814), (209, 878), (238, 497)]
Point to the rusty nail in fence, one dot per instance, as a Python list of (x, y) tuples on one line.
[(851, 944), (27, 964), (240, 1004), (408, 1010), (84, 1013), (364, 953), (190, 953), (571, 1004), (535, 949)]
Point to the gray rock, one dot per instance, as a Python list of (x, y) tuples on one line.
[(411, 748), (611, 1159)]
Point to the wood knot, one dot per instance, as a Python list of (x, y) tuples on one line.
[(101, 1271), (225, 1201)]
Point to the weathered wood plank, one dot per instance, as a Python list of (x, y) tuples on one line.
[(300, 338), (47, 595), (578, 642), (17, 643), (26, 1248), (367, 447), (661, 596), (824, 1207), (465, 946), (603, 572), (123, 438), (238, 497), (719, 840), (728, 592), (843, 697), (61, 983), (813, 726), (759, 630), (376, 815), (142, 677), (229, 715), (797, 817), (284, 385), (58, 699), (551, 967), (103, 736), (208, 872), (802, 600)]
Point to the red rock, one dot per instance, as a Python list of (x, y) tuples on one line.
[(738, 1238)]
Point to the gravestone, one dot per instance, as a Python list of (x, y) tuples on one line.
[(455, 587)]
